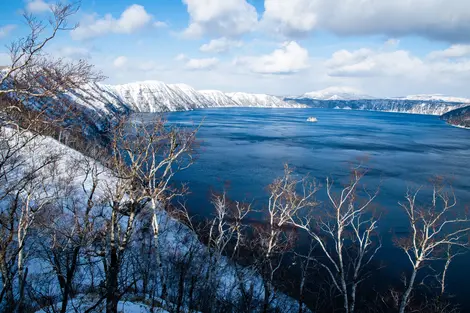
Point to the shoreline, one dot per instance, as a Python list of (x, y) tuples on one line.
[(459, 126)]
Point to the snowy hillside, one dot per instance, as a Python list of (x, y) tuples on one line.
[(260, 100), (219, 98), (155, 96), (178, 239)]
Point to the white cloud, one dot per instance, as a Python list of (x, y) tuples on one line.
[(181, 57), (367, 62), (437, 67), (201, 64), (120, 61), (37, 6), (132, 19), (220, 45), (454, 51), (159, 24), (289, 58), (293, 17), (5, 30), (229, 18), (447, 20)]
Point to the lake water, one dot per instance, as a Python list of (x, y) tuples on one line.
[(247, 148)]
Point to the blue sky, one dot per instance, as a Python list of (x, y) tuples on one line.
[(381, 48)]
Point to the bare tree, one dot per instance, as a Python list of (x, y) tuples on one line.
[(24, 193), (124, 202), (225, 235), (435, 227), (344, 236), (34, 87), (68, 225), (33, 73), (289, 197), (306, 265), (155, 152)]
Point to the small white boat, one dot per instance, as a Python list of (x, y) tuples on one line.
[(312, 119)]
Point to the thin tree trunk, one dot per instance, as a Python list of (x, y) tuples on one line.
[(159, 265), (339, 248), (267, 296), (301, 295), (180, 290), (444, 274), (406, 295), (112, 275)]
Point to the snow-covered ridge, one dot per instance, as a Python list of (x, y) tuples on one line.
[(260, 100), (350, 93), (351, 98), (436, 97), (384, 105), (156, 96), (336, 93)]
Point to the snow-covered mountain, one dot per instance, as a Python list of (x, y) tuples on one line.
[(155, 96), (260, 100), (384, 105), (436, 97), (351, 98), (219, 98), (336, 93)]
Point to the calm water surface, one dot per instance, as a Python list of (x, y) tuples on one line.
[(248, 147)]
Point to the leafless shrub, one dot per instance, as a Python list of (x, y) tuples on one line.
[(436, 227)]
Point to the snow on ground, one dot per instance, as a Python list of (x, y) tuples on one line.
[(178, 240)]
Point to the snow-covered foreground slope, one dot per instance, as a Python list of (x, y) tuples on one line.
[(179, 243), (155, 96)]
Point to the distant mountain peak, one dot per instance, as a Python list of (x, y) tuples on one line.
[(337, 93)]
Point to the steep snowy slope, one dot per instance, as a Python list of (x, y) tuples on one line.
[(155, 96), (219, 98), (191, 95), (260, 100)]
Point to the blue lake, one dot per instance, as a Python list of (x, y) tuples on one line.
[(246, 149)]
